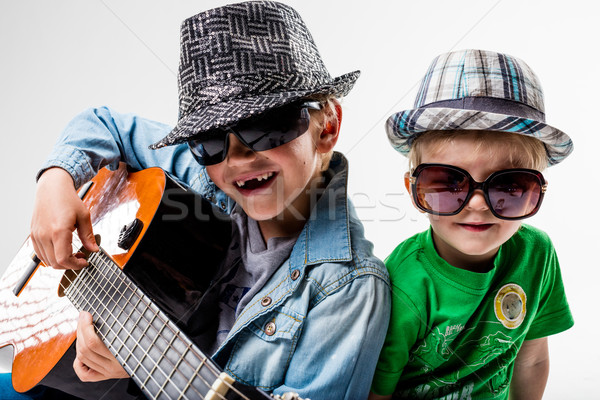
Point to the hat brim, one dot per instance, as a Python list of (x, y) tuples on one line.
[(234, 110), (404, 127)]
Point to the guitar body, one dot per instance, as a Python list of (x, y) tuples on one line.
[(171, 252)]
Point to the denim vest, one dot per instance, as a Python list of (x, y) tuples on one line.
[(323, 325)]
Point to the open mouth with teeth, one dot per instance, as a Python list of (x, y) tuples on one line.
[(256, 182)]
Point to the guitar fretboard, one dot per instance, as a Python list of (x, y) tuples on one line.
[(164, 363)]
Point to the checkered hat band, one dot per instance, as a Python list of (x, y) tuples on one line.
[(404, 127), (492, 105), (472, 73)]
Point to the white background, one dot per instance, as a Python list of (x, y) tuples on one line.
[(59, 57)]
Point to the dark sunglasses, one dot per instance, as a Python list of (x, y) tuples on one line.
[(445, 190), (267, 131)]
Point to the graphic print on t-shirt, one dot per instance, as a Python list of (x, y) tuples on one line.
[(231, 293), (455, 353)]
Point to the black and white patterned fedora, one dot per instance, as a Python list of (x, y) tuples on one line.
[(479, 90), (243, 59)]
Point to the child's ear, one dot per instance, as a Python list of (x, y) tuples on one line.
[(332, 119), (407, 183), (409, 190)]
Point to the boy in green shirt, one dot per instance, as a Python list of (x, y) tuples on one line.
[(476, 295)]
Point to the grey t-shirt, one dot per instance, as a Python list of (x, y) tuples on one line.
[(247, 267)]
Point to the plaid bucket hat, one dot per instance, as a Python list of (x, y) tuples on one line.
[(241, 60), (478, 90)]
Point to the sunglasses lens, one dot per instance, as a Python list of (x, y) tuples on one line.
[(515, 194), (210, 149), (275, 128), (270, 130), (511, 194), (441, 189)]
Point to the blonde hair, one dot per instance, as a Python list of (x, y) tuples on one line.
[(523, 151)]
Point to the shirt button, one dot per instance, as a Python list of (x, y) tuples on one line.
[(295, 274), (223, 205), (265, 301), (270, 328)]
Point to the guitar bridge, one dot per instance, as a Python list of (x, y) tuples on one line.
[(129, 233)]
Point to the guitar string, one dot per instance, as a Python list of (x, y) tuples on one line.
[(110, 264), (83, 281), (175, 333), (137, 370), (166, 324), (78, 299)]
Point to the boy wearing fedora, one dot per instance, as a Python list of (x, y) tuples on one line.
[(475, 296), (303, 305)]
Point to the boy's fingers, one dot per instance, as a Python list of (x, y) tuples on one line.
[(85, 230), (63, 252), (85, 346), (84, 325), (48, 252), (85, 373), (96, 362)]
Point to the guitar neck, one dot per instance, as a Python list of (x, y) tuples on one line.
[(149, 223), (164, 363)]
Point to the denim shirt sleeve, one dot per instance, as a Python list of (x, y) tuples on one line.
[(356, 317), (100, 136)]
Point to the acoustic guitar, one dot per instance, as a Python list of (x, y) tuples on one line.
[(160, 248)]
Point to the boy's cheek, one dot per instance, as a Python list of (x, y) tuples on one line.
[(212, 171)]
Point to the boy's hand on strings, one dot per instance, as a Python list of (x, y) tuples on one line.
[(57, 212), (94, 362)]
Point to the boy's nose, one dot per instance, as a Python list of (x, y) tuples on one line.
[(237, 152), (477, 201)]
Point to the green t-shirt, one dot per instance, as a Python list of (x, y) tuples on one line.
[(455, 334)]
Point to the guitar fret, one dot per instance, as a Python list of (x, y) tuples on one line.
[(165, 362), (130, 314), (156, 337), (92, 300), (142, 344), (151, 384), (172, 376), (166, 366), (137, 352), (105, 318), (184, 368), (140, 361), (124, 321), (189, 366), (167, 377), (80, 298), (117, 319), (108, 281), (76, 300), (78, 294), (196, 375), (177, 378)]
